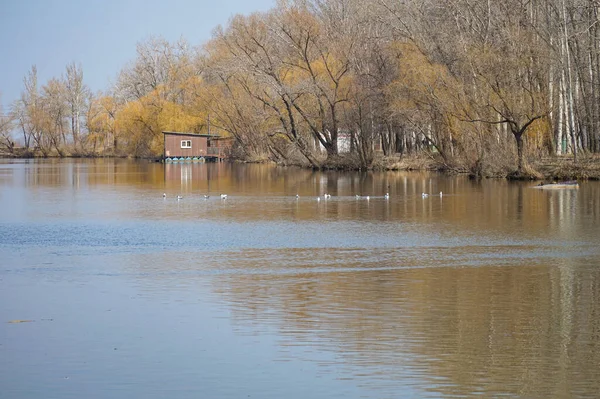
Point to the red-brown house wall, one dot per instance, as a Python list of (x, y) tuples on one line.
[(173, 146)]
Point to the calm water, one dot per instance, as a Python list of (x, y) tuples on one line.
[(492, 290)]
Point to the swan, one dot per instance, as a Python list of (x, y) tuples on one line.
[(223, 196)]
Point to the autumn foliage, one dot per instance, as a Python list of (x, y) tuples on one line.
[(474, 85)]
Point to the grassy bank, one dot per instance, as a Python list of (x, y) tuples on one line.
[(587, 167)]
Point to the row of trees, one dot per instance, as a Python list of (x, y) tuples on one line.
[(476, 84), (47, 118), (481, 83), (64, 117)]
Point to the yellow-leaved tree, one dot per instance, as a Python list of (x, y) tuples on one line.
[(159, 93), (141, 123), (427, 96)]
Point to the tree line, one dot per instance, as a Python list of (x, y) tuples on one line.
[(476, 85)]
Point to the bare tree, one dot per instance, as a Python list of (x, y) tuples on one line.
[(54, 114), (7, 143), (76, 93), (261, 70), (30, 115), (25, 109), (159, 65)]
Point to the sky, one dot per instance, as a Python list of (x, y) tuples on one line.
[(101, 35)]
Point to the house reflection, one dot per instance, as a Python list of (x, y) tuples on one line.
[(193, 175)]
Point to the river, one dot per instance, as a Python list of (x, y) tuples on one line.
[(110, 290)]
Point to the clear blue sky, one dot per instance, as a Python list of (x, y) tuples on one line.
[(100, 35)]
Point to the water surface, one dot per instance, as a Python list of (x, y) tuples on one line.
[(490, 290)]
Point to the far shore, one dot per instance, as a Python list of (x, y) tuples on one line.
[(554, 168)]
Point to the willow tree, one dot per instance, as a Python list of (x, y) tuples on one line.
[(320, 57), (157, 93), (101, 123), (510, 76), (427, 96), (232, 110), (260, 69), (53, 114), (141, 123)]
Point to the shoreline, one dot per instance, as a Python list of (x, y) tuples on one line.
[(558, 168)]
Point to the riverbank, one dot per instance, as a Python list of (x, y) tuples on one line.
[(549, 168), (564, 168), (557, 168)]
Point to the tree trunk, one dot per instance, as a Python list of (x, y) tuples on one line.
[(519, 140), (560, 144), (569, 85)]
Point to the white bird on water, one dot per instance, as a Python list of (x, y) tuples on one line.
[(223, 196), (387, 196), (179, 197), (441, 194), (327, 196), (297, 196), (206, 196), (164, 195), (424, 195)]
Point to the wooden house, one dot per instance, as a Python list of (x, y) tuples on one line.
[(207, 147)]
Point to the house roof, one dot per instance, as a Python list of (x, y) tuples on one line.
[(191, 134)]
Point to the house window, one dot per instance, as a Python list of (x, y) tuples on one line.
[(186, 143)]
